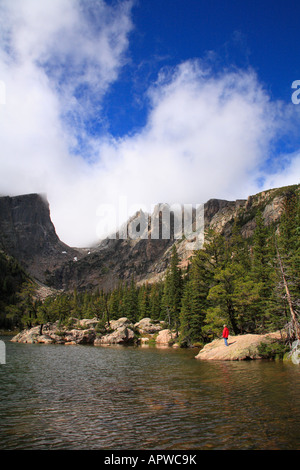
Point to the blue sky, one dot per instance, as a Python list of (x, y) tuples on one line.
[(146, 101), (263, 35)]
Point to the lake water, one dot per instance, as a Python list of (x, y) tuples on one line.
[(86, 397)]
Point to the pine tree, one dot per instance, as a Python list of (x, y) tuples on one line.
[(221, 295), (173, 291), (155, 300), (132, 302), (75, 307), (143, 302), (114, 303), (262, 272), (102, 306), (289, 241), (46, 312), (232, 292), (288, 260), (209, 261), (194, 302), (24, 312)]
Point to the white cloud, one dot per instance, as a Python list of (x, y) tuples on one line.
[(48, 51), (289, 173), (77, 46), (206, 135)]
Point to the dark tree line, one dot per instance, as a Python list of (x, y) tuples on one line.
[(12, 280)]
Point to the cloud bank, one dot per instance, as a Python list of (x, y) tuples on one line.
[(208, 134)]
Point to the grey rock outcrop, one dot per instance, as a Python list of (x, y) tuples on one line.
[(28, 234), (120, 323), (87, 323), (85, 331), (239, 348), (80, 336), (33, 335), (121, 335), (147, 326), (165, 338), (120, 331)]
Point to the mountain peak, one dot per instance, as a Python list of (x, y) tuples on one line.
[(28, 234)]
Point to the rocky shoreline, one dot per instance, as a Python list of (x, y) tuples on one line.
[(143, 333), (240, 348), (87, 331)]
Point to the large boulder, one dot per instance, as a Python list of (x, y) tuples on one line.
[(36, 335), (53, 333), (165, 338), (27, 336), (87, 323), (120, 331), (45, 339), (121, 335), (120, 323), (147, 326), (239, 347), (80, 336)]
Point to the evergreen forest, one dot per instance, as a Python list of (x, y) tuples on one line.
[(252, 285)]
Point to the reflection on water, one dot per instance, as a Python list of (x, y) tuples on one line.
[(83, 397)]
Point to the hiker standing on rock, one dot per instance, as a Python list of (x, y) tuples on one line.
[(225, 334)]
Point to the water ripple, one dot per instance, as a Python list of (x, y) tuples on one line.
[(53, 397)]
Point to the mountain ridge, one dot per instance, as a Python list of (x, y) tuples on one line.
[(28, 234)]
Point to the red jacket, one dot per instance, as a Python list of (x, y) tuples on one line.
[(225, 332)]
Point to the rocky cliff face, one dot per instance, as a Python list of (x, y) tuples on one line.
[(147, 259), (27, 233)]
